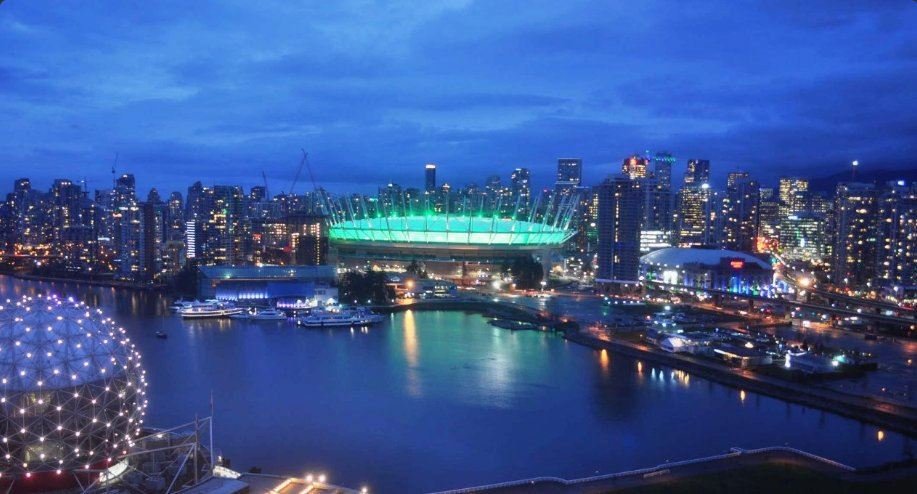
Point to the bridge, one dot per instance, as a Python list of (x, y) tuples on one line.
[(909, 322)]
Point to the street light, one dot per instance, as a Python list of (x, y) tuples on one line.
[(543, 284)]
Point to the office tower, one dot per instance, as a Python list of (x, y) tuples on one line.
[(635, 167), (430, 177), (855, 248), (662, 170), (698, 172), (803, 237), (619, 213), (740, 212), (793, 195), (897, 236), (695, 215)]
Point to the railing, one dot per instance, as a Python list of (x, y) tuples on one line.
[(663, 468)]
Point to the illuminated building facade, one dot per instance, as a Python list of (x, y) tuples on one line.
[(897, 237), (695, 215), (635, 167), (740, 214), (856, 244), (713, 269), (804, 237)]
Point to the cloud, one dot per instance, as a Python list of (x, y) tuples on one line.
[(220, 91)]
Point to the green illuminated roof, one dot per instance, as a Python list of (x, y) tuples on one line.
[(449, 230)]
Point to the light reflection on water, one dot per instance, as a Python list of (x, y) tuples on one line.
[(435, 400)]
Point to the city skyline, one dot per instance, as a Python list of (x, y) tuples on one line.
[(382, 89)]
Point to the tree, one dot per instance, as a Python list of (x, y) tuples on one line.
[(527, 273), (416, 270), (362, 287)]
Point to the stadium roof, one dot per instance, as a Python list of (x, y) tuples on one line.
[(450, 230), (678, 256)]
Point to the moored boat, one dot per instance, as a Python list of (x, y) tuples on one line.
[(209, 309), (342, 318)]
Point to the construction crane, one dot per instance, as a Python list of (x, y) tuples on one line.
[(305, 158), (303, 162), (264, 176)]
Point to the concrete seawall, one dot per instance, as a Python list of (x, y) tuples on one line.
[(894, 417)]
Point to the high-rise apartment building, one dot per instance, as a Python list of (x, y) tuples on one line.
[(619, 214)]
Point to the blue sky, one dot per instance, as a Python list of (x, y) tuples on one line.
[(219, 91)]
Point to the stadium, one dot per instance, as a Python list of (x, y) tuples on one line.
[(445, 243)]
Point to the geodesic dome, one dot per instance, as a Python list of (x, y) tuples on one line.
[(72, 390)]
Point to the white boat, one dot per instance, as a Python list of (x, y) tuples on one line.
[(209, 309), (342, 318), (180, 304), (262, 315)]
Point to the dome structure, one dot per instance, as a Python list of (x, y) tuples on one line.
[(679, 256), (72, 388)]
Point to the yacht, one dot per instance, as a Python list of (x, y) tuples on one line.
[(209, 309), (342, 318), (262, 315)]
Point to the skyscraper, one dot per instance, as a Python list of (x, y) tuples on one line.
[(855, 248), (570, 170), (635, 166), (897, 237), (619, 213), (662, 170), (522, 191), (430, 177), (569, 176), (792, 193), (740, 212), (698, 172), (695, 215)]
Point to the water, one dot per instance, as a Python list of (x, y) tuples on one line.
[(436, 400)]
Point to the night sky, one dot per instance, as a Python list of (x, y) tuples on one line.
[(219, 91)]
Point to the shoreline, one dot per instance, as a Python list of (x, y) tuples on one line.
[(83, 281), (892, 416)]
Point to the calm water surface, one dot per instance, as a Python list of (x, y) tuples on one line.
[(436, 400)]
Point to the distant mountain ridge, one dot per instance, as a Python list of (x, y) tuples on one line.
[(829, 183)]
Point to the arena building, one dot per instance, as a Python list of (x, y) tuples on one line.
[(266, 283), (712, 269)]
